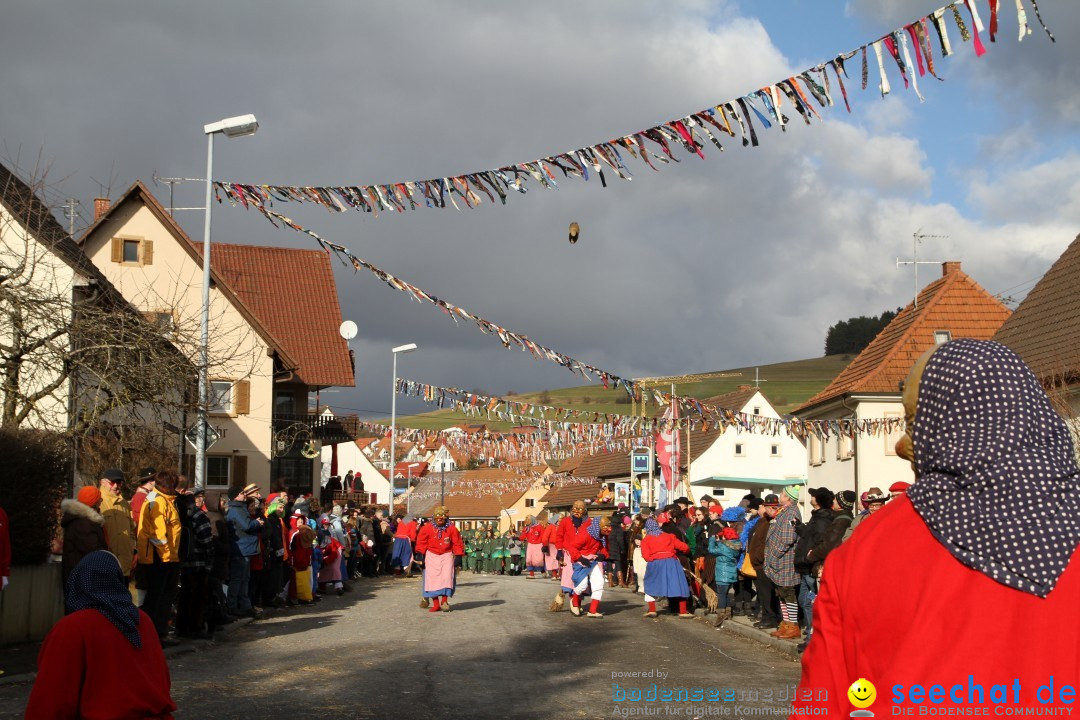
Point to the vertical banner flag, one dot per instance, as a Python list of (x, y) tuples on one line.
[(667, 452)]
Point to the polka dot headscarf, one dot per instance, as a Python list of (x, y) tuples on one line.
[(998, 484), (97, 583), (652, 527)]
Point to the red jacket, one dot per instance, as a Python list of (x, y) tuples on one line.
[(584, 544), (547, 537), (426, 541), (565, 532), (533, 535), (406, 530), (664, 545), (895, 607), (87, 669), (5, 545)]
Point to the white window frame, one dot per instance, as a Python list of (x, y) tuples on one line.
[(893, 437), (777, 448), (228, 470), (213, 408), (530, 502), (740, 449), (817, 457)]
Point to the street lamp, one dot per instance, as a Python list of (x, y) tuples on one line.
[(393, 421), (238, 126), (408, 487)]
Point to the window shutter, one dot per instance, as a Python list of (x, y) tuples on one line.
[(147, 252), (117, 250), (239, 470), (242, 397)]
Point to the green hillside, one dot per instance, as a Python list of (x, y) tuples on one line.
[(787, 385)]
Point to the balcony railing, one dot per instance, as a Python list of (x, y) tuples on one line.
[(329, 430)]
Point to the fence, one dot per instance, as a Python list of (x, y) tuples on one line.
[(32, 603)]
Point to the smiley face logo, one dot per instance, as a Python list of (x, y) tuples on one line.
[(862, 693)]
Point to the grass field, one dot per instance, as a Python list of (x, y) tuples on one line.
[(787, 385)]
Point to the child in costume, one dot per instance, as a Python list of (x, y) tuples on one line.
[(725, 546), (301, 542), (664, 576), (547, 545), (404, 539), (533, 537)]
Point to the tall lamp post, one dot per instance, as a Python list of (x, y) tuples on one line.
[(393, 421), (238, 126)]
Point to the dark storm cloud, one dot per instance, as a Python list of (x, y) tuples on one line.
[(744, 258)]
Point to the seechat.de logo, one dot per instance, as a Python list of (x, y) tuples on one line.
[(862, 695)]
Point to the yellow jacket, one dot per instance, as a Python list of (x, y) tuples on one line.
[(119, 529), (159, 529)]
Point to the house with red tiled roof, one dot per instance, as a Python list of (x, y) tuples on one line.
[(1045, 331), (481, 497), (274, 343), (953, 306)]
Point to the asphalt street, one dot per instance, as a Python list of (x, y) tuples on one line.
[(499, 653)]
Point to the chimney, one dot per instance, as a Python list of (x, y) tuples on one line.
[(948, 268), (101, 206)]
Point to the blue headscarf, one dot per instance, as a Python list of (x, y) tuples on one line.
[(733, 514), (97, 583), (652, 527), (997, 479)]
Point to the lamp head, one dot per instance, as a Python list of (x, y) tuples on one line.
[(404, 348), (238, 126)]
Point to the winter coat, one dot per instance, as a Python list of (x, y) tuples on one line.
[(617, 544), (780, 547), (834, 535), (756, 547), (159, 529), (119, 528), (810, 535), (697, 540), (727, 554), (273, 540), (218, 527), (243, 530), (84, 532)]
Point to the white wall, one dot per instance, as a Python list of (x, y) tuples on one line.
[(352, 458)]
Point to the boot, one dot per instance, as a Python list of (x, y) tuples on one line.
[(782, 627), (788, 631), (764, 624), (737, 609), (722, 615)]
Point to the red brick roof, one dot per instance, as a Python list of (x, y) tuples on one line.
[(604, 465), (567, 495), (293, 293), (954, 302), (401, 470), (1045, 329)]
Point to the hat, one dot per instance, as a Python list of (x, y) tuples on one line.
[(716, 509), (729, 533), (250, 488), (114, 474), (823, 495), (846, 499), (440, 510), (899, 487), (682, 501), (147, 474), (627, 520), (877, 498), (89, 496), (771, 500), (707, 500), (754, 504), (792, 491), (324, 521), (735, 513)]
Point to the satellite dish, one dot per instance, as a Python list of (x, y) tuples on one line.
[(347, 330)]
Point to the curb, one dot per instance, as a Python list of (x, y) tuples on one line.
[(785, 647), (185, 646)]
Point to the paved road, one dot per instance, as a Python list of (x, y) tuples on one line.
[(499, 654)]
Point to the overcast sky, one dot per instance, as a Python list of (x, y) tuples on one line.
[(741, 259)]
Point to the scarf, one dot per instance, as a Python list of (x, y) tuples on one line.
[(577, 520), (997, 481), (97, 583), (440, 529), (652, 527), (594, 532)]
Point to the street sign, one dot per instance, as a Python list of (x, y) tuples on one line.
[(639, 463), (192, 435)]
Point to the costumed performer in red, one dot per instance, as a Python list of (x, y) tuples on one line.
[(404, 538), (533, 536), (588, 551), (976, 574), (664, 576), (547, 545), (439, 544), (103, 659), (567, 529)]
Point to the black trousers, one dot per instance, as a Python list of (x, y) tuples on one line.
[(194, 597), (162, 582), (766, 595), (273, 581), (744, 589)]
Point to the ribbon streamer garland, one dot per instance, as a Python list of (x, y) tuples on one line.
[(692, 132)]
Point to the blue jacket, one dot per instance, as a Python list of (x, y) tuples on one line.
[(243, 529), (727, 554)]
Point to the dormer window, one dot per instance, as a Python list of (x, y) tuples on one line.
[(942, 336)]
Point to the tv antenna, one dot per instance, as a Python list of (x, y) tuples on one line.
[(916, 238)]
